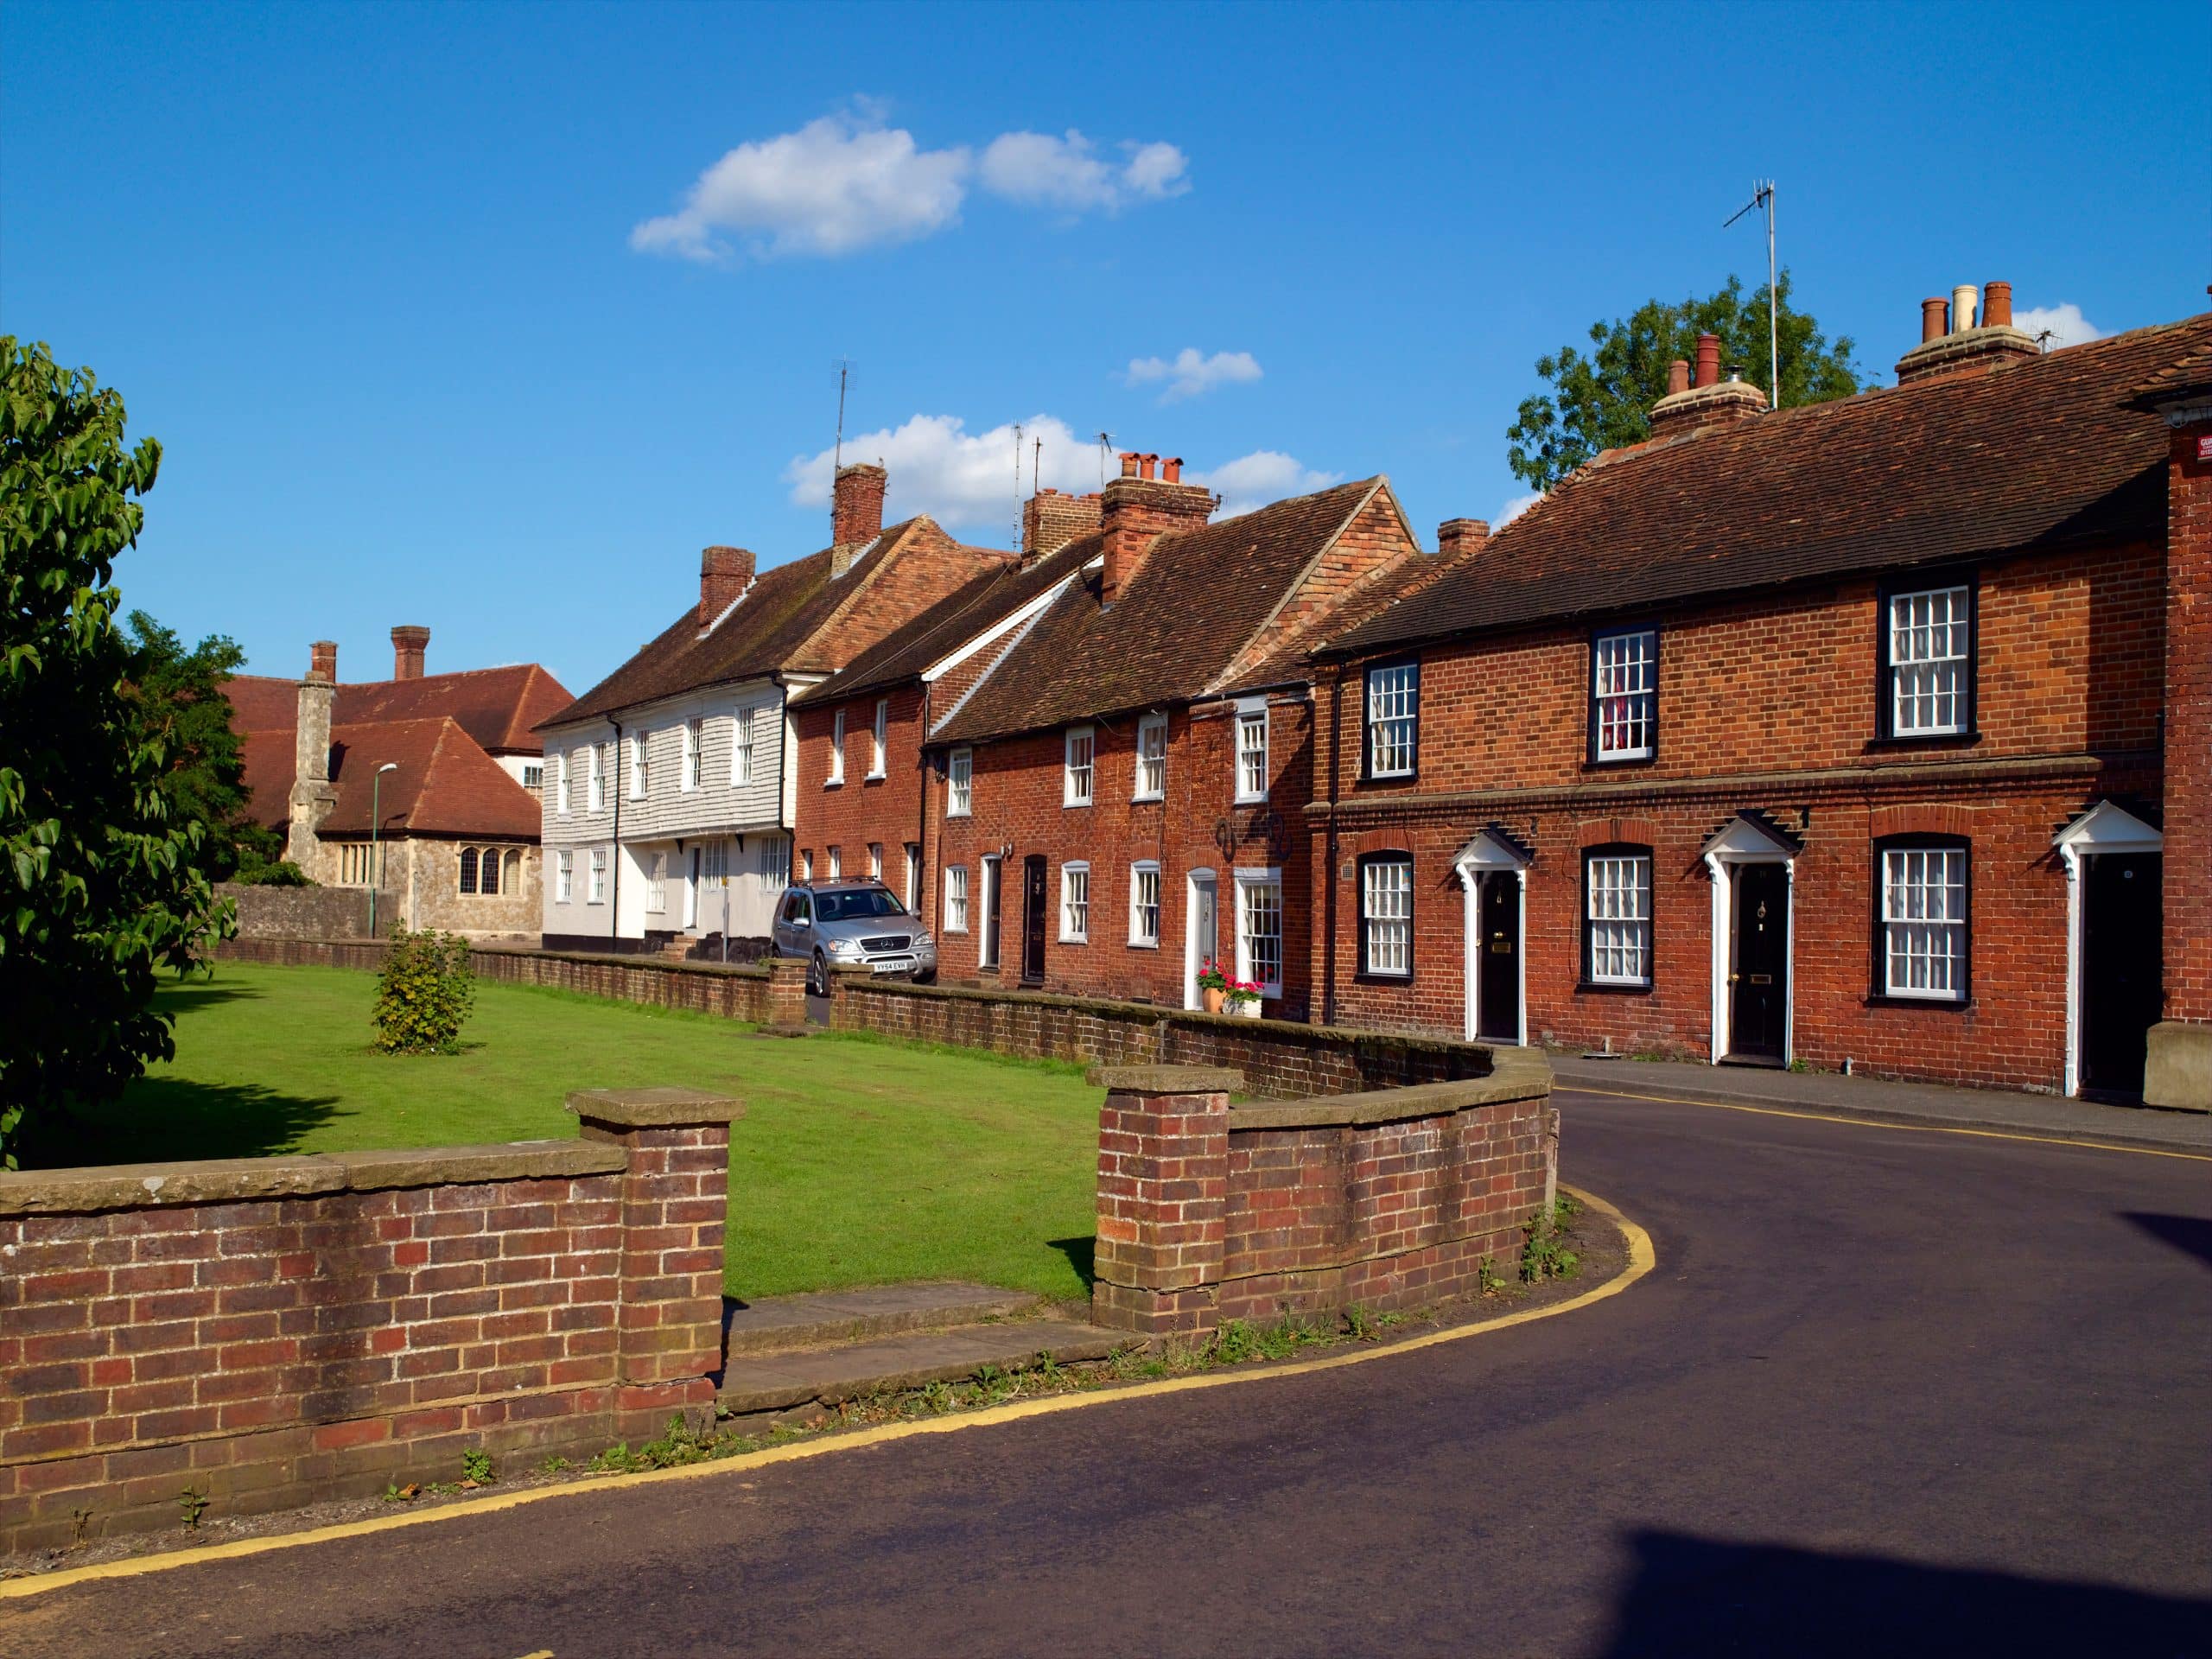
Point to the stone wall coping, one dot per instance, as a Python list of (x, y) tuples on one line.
[(1521, 1074), (604, 959), (1167, 1079), (654, 1109), (231, 1180)]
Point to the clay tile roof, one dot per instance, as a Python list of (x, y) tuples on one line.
[(2040, 455), (263, 703), (1197, 600), (497, 707), (446, 783)]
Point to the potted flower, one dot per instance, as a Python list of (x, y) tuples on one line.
[(1243, 998), (1213, 986)]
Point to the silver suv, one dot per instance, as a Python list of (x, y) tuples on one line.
[(852, 922)]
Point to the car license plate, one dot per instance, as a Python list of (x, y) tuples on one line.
[(893, 965)]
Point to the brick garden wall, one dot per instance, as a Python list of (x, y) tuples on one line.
[(1384, 1200), (307, 912), (275, 1332)]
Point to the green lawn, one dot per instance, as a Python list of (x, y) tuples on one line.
[(857, 1162)]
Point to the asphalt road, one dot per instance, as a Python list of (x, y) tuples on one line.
[(1886, 1393)]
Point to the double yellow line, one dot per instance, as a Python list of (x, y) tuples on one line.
[(1640, 1262)]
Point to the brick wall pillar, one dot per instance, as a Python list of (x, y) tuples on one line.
[(786, 991), (2178, 1071), (675, 1197), (1163, 1185)]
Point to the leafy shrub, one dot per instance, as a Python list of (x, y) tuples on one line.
[(255, 870), (424, 994)]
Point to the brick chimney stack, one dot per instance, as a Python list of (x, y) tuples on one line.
[(1954, 342), (724, 574), (1691, 406), (312, 797), (1457, 536), (856, 513), (1149, 499), (1050, 521), (408, 645)]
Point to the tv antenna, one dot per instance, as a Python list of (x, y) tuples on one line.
[(1763, 196), (844, 366), (1105, 443), (1017, 484)]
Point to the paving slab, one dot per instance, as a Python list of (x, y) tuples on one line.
[(1880, 1101), (779, 1382), (817, 1318)]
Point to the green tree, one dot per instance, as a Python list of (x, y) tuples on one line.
[(1602, 399), (178, 700), (102, 885)]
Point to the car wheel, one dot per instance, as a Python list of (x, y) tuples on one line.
[(925, 977), (818, 975)]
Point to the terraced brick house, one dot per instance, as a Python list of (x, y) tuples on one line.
[(671, 792), (1872, 734), (447, 765)]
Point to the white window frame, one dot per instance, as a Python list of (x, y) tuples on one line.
[(598, 895), (1391, 695), (960, 784), (1075, 902), (1617, 916), (693, 748), (837, 751), (911, 893), (561, 786), (740, 746), (1149, 775), (1079, 779), (956, 898), (987, 921), (640, 767), (564, 876), (1249, 886), (533, 774), (876, 860), (1248, 722), (596, 792), (837, 855), (1386, 916), (1933, 653), (656, 885), (1917, 930), (879, 755), (1624, 674), (775, 862), (806, 864), (1143, 871)]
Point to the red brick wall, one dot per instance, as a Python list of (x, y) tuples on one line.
[(2189, 727), (278, 1330), (1767, 704), (929, 567), (849, 815)]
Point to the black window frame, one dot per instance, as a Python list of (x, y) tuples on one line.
[(1585, 980), (1367, 772), (1926, 581), (1616, 631), (1362, 972), (1879, 994)]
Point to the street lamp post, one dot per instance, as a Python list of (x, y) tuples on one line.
[(376, 865)]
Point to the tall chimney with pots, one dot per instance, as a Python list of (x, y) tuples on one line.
[(312, 797), (1457, 536), (724, 575), (1957, 343), (1050, 521), (1137, 508), (855, 513), (1709, 401), (409, 643)]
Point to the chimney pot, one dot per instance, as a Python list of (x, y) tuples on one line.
[(1129, 463), (1678, 376), (1457, 535), (856, 508), (1997, 308), (1935, 319), (1962, 307), (724, 574), (1146, 464), (1708, 359), (1172, 471), (322, 661), (409, 645)]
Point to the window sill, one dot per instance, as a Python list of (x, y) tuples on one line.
[(1249, 800), (833, 782), (1412, 777), (1620, 762), (1593, 988), (1144, 944), (1926, 740), (1064, 939), (1363, 978), (873, 778), (949, 813), (1941, 1004), (1144, 800), (1075, 806)]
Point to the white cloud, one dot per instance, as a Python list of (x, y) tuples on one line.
[(1038, 170), (959, 478), (1192, 372), (1252, 480), (2067, 325), (838, 184), (1515, 508)]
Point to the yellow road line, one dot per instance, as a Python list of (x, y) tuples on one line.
[(1883, 1123), (1640, 1262)]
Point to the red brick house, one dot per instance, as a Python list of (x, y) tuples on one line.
[(1118, 758), (1849, 734)]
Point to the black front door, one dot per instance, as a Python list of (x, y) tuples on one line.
[(1498, 984), (1758, 986), (1033, 918), (2120, 967)]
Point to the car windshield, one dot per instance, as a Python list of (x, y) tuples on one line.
[(856, 905)]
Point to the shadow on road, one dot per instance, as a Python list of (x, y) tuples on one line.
[(2190, 1234), (1704, 1597)]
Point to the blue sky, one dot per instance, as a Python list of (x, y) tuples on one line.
[(433, 327)]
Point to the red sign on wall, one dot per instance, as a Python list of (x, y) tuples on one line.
[(2204, 448)]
